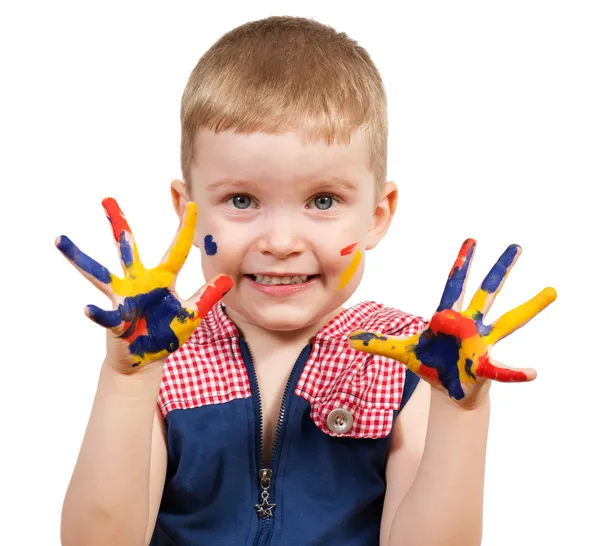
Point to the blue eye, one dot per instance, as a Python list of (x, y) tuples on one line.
[(241, 201), (323, 202)]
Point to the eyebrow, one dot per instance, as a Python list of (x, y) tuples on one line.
[(333, 183)]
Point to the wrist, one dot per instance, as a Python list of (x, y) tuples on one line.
[(141, 383), (473, 402)]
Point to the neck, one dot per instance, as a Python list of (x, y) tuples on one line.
[(263, 340)]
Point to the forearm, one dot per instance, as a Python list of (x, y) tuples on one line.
[(107, 498), (445, 502)]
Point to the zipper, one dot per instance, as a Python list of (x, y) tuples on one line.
[(265, 507)]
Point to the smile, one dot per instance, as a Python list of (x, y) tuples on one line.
[(278, 280), (280, 285)]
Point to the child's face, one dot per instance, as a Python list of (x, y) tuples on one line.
[(273, 204)]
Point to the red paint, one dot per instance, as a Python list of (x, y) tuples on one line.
[(140, 329), (348, 249), (213, 294), (462, 255), (451, 322), (116, 218), (429, 374), (486, 369)]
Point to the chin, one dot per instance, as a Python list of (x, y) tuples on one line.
[(282, 320)]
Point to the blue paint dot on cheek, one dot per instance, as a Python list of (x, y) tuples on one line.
[(210, 246)]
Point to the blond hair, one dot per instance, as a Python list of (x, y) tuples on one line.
[(283, 74)]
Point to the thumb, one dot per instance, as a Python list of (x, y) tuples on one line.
[(205, 298)]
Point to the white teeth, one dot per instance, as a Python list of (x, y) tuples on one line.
[(264, 279)]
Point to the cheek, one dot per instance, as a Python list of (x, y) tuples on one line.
[(342, 261), (210, 245), (353, 265), (220, 249)]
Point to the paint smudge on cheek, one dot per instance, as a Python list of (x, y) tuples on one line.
[(210, 247), (348, 249), (349, 272)]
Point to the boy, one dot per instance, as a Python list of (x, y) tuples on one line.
[(284, 418)]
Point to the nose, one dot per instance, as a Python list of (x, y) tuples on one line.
[(281, 236)]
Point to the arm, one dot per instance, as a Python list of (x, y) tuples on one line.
[(117, 484), (107, 501), (443, 504)]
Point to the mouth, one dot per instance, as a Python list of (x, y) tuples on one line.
[(276, 280)]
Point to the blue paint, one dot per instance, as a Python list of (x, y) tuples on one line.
[(366, 337), (441, 353), (83, 261), (455, 283), (158, 307), (126, 250), (108, 319), (482, 329), (468, 365), (498, 272), (210, 246)]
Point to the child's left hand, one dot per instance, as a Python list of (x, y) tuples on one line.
[(452, 353)]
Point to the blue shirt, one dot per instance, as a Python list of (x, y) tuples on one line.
[(325, 484)]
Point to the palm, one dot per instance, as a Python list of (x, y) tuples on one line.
[(148, 317), (452, 353)]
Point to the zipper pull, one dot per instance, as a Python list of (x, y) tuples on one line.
[(265, 510)]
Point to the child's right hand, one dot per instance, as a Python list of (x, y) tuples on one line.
[(148, 320)]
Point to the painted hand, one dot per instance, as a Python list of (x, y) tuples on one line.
[(452, 353), (148, 320)]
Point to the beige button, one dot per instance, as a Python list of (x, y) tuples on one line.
[(339, 421)]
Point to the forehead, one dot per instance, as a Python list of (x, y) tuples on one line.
[(283, 157)]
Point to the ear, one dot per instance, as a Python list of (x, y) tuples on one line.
[(382, 216), (180, 200)]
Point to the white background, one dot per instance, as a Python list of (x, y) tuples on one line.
[(494, 134)]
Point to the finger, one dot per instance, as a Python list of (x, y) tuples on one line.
[(108, 319), (519, 316), (124, 240), (203, 300), (400, 349), (491, 369), (180, 247), (455, 285), (492, 284), (97, 274), (389, 346)]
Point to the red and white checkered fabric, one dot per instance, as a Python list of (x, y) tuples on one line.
[(209, 369), (337, 376)]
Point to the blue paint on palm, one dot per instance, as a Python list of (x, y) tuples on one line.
[(210, 246), (493, 279), (158, 307), (441, 353), (83, 261)]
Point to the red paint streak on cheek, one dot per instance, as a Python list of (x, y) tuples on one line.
[(213, 294), (140, 329), (451, 322), (487, 369), (348, 249), (117, 220)]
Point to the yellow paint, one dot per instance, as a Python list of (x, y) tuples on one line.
[(139, 280), (478, 303), (471, 348), (519, 316), (350, 270)]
